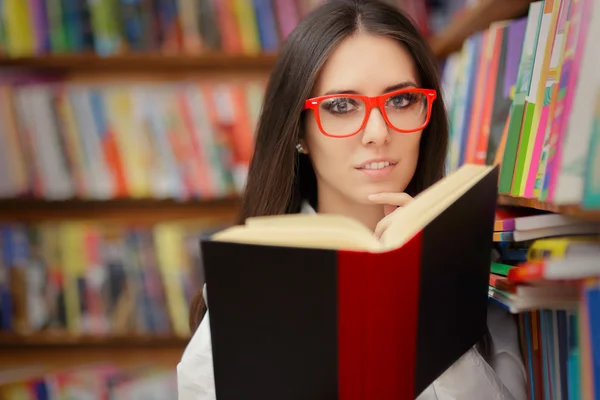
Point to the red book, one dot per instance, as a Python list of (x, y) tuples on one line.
[(314, 307)]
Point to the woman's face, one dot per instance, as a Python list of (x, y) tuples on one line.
[(352, 168)]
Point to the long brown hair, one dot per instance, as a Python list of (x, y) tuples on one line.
[(279, 178)]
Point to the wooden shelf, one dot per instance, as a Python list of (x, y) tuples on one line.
[(144, 62), (62, 339), (134, 210), (62, 350), (574, 211), (475, 19), (470, 21)]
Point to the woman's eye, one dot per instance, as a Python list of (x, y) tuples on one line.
[(340, 105), (401, 101)]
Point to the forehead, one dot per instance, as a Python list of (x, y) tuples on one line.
[(366, 64)]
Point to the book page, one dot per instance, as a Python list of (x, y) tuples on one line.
[(329, 231), (431, 203), (318, 236)]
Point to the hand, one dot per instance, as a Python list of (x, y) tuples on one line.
[(391, 203)]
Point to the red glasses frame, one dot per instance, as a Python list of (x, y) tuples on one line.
[(370, 102)]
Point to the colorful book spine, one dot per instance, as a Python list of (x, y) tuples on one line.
[(571, 170), (522, 88), (146, 140), (591, 195), (540, 149), (566, 71), (534, 98), (567, 105)]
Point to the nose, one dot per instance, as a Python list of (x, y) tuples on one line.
[(376, 130)]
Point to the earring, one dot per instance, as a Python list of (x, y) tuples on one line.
[(300, 148)]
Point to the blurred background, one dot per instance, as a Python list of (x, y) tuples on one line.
[(126, 128)]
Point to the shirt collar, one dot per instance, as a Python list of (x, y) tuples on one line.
[(307, 208)]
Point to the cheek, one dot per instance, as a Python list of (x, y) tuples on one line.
[(407, 150), (407, 147), (330, 156), (323, 150)]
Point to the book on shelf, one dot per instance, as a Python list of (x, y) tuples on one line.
[(554, 290), (98, 279), (523, 94), (320, 289), (181, 140), (541, 225), (540, 86), (94, 381), (109, 27)]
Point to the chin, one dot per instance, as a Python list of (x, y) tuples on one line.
[(386, 186)]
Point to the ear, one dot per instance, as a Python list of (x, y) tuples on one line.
[(304, 149)]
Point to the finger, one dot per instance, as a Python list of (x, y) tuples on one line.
[(383, 225), (392, 199)]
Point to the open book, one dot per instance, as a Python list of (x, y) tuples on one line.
[(338, 232), (314, 306)]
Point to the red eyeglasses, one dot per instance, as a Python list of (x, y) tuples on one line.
[(344, 115)]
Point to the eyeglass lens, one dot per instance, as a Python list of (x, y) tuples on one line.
[(342, 115)]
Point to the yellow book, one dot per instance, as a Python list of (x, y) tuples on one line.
[(190, 25), (130, 140), (19, 168), (247, 26), (73, 143), (169, 240), (73, 263), (19, 30), (560, 247)]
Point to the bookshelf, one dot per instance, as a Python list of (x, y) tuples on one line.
[(571, 210), (51, 347), (524, 94), (59, 339), (150, 62), (132, 210), (475, 19)]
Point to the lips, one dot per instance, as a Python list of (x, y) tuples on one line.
[(376, 164), (379, 169)]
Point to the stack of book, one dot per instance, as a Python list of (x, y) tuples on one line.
[(520, 225), (100, 279), (545, 271), (182, 140), (102, 381), (526, 94), (107, 27)]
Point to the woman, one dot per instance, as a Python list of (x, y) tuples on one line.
[(351, 125)]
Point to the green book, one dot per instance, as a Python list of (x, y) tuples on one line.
[(108, 38), (500, 269), (534, 99), (58, 34), (591, 192), (517, 108)]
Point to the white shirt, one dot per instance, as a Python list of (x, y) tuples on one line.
[(470, 378)]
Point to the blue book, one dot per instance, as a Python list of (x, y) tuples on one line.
[(573, 375), (563, 346), (528, 335), (592, 297), (545, 350), (267, 25), (471, 84)]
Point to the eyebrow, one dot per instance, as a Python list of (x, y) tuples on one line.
[(398, 86)]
